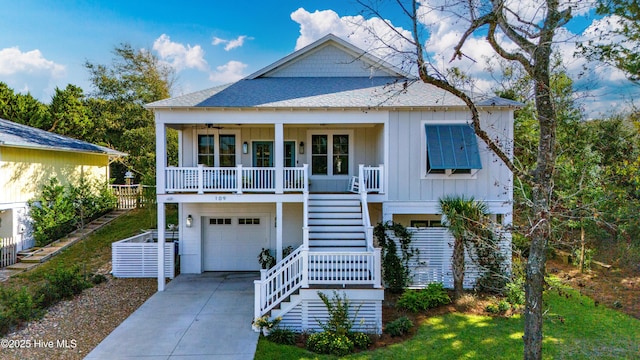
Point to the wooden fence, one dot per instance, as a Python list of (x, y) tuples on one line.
[(134, 196), (8, 252)]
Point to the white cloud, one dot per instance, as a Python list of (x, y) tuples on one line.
[(372, 35), (231, 44), (179, 56), (229, 72), (15, 62), (444, 27)]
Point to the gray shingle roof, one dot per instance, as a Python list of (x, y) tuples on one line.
[(18, 135), (324, 92)]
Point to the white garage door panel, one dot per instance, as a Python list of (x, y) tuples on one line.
[(232, 243)]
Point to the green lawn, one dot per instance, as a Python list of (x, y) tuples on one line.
[(574, 329)]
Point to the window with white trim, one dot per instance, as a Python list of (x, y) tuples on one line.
[(217, 148)]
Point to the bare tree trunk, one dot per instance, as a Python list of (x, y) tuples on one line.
[(542, 188), (458, 268)]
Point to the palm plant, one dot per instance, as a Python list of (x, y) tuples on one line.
[(462, 215)]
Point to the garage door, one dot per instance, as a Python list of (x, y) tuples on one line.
[(232, 243)]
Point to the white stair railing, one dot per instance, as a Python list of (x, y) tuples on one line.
[(280, 281), (366, 219)]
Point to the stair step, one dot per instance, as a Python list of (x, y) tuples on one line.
[(334, 215), (337, 243), (341, 235), (334, 209), (338, 228), (336, 202), (333, 196), (336, 248), (335, 222)]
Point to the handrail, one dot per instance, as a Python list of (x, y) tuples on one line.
[(277, 283), (366, 219)]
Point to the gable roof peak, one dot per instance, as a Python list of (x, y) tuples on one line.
[(341, 44)]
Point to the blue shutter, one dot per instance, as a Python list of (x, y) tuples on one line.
[(452, 147)]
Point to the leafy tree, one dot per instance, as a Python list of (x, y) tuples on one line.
[(21, 108), (121, 89), (470, 226), (619, 43), (68, 114)]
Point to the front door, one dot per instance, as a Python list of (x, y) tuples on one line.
[(263, 153)]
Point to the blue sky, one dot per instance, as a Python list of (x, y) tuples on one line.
[(44, 44)]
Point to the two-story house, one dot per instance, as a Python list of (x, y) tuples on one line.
[(310, 152)]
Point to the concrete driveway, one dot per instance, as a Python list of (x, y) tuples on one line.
[(206, 316)]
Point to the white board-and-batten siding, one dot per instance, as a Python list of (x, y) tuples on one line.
[(435, 251), (407, 153)]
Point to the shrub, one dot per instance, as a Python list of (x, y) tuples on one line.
[(514, 290), (360, 340), (98, 279), (282, 336), (492, 308), (58, 210), (338, 308), (18, 305), (588, 257), (329, 343), (399, 326), (499, 307), (432, 296), (66, 282)]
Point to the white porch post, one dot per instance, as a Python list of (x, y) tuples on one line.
[(278, 152), (161, 157), (161, 235), (279, 222)]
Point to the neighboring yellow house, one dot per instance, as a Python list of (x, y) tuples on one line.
[(29, 157)]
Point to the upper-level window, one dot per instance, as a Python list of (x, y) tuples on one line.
[(319, 150), (206, 150), (330, 154), (214, 148), (227, 150), (451, 149)]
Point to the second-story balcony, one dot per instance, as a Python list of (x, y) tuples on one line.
[(239, 179)]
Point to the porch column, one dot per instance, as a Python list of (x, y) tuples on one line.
[(279, 223), (161, 227), (161, 157), (278, 152)]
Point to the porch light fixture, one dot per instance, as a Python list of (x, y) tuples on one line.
[(189, 221), (301, 147), (245, 147)]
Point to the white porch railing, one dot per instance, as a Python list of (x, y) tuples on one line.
[(372, 177), (237, 179), (302, 268)]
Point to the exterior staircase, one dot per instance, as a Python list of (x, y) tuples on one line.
[(335, 223)]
